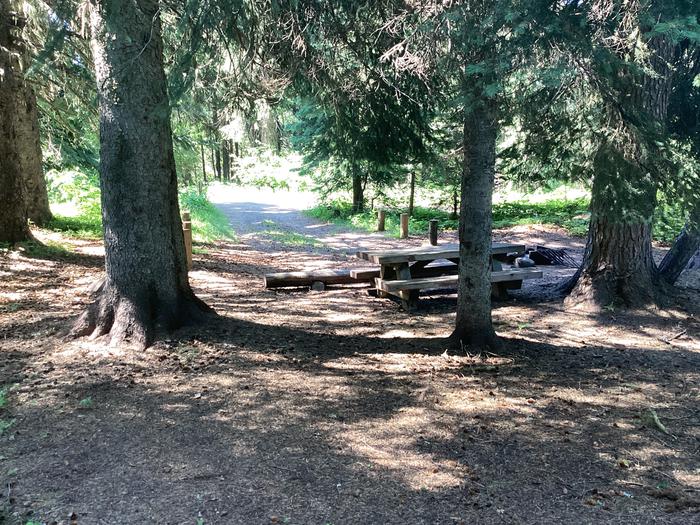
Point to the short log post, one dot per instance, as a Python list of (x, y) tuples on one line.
[(187, 232), (404, 225), (381, 220), (433, 231)]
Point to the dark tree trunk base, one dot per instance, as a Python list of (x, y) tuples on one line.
[(596, 292), (137, 321), (480, 341)]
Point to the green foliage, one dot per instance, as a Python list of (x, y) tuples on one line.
[(572, 215), (669, 218), (208, 222), (79, 190), (84, 226), (340, 212), (5, 425)]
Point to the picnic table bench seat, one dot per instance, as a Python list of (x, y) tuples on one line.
[(407, 289), (450, 281)]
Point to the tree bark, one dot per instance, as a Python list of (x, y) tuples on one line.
[(14, 226), (684, 248), (146, 286), (358, 191), (204, 165), (618, 268), (31, 159), (217, 155), (226, 160), (473, 326), (412, 194)]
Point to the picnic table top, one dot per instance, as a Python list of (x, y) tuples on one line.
[(429, 253)]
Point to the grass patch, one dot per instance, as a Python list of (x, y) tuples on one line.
[(208, 222), (571, 215), (39, 250), (87, 225), (5, 424)]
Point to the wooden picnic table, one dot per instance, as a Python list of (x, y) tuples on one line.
[(404, 272)]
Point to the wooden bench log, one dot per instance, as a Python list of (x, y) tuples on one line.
[(364, 274), (295, 279)]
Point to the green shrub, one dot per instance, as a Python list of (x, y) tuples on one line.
[(87, 225), (572, 215)]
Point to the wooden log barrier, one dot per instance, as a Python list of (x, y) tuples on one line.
[(433, 231), (187, 232), (294, 279), (404, 225), (381, 220)]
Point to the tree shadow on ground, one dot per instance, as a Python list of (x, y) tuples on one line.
[(337, 408), (247, 423)]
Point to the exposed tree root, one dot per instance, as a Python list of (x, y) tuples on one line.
[(479, 341), (137, 320), (596, 292)]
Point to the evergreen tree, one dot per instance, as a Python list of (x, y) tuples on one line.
[(13, 218), (146, 285)]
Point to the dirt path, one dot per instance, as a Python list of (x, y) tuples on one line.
[(265, 219)]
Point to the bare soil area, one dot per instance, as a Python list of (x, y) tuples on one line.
[(338, 408)]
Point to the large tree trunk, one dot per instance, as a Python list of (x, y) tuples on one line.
[(358, 191), (473, 325), (684, 248), (13, 207), (618, 268), (31, 159), (146, 286)]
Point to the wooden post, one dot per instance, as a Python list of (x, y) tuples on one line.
[(381, 220), (433, 231), (404, 225), (187, 232)]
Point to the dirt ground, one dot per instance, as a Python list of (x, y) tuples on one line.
[(338, 408)]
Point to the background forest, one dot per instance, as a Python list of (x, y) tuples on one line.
[(249, 126)]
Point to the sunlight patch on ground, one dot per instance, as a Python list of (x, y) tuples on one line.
[(398, 333), (394, 445)]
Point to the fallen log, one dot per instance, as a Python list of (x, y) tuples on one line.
[(293, 279)]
